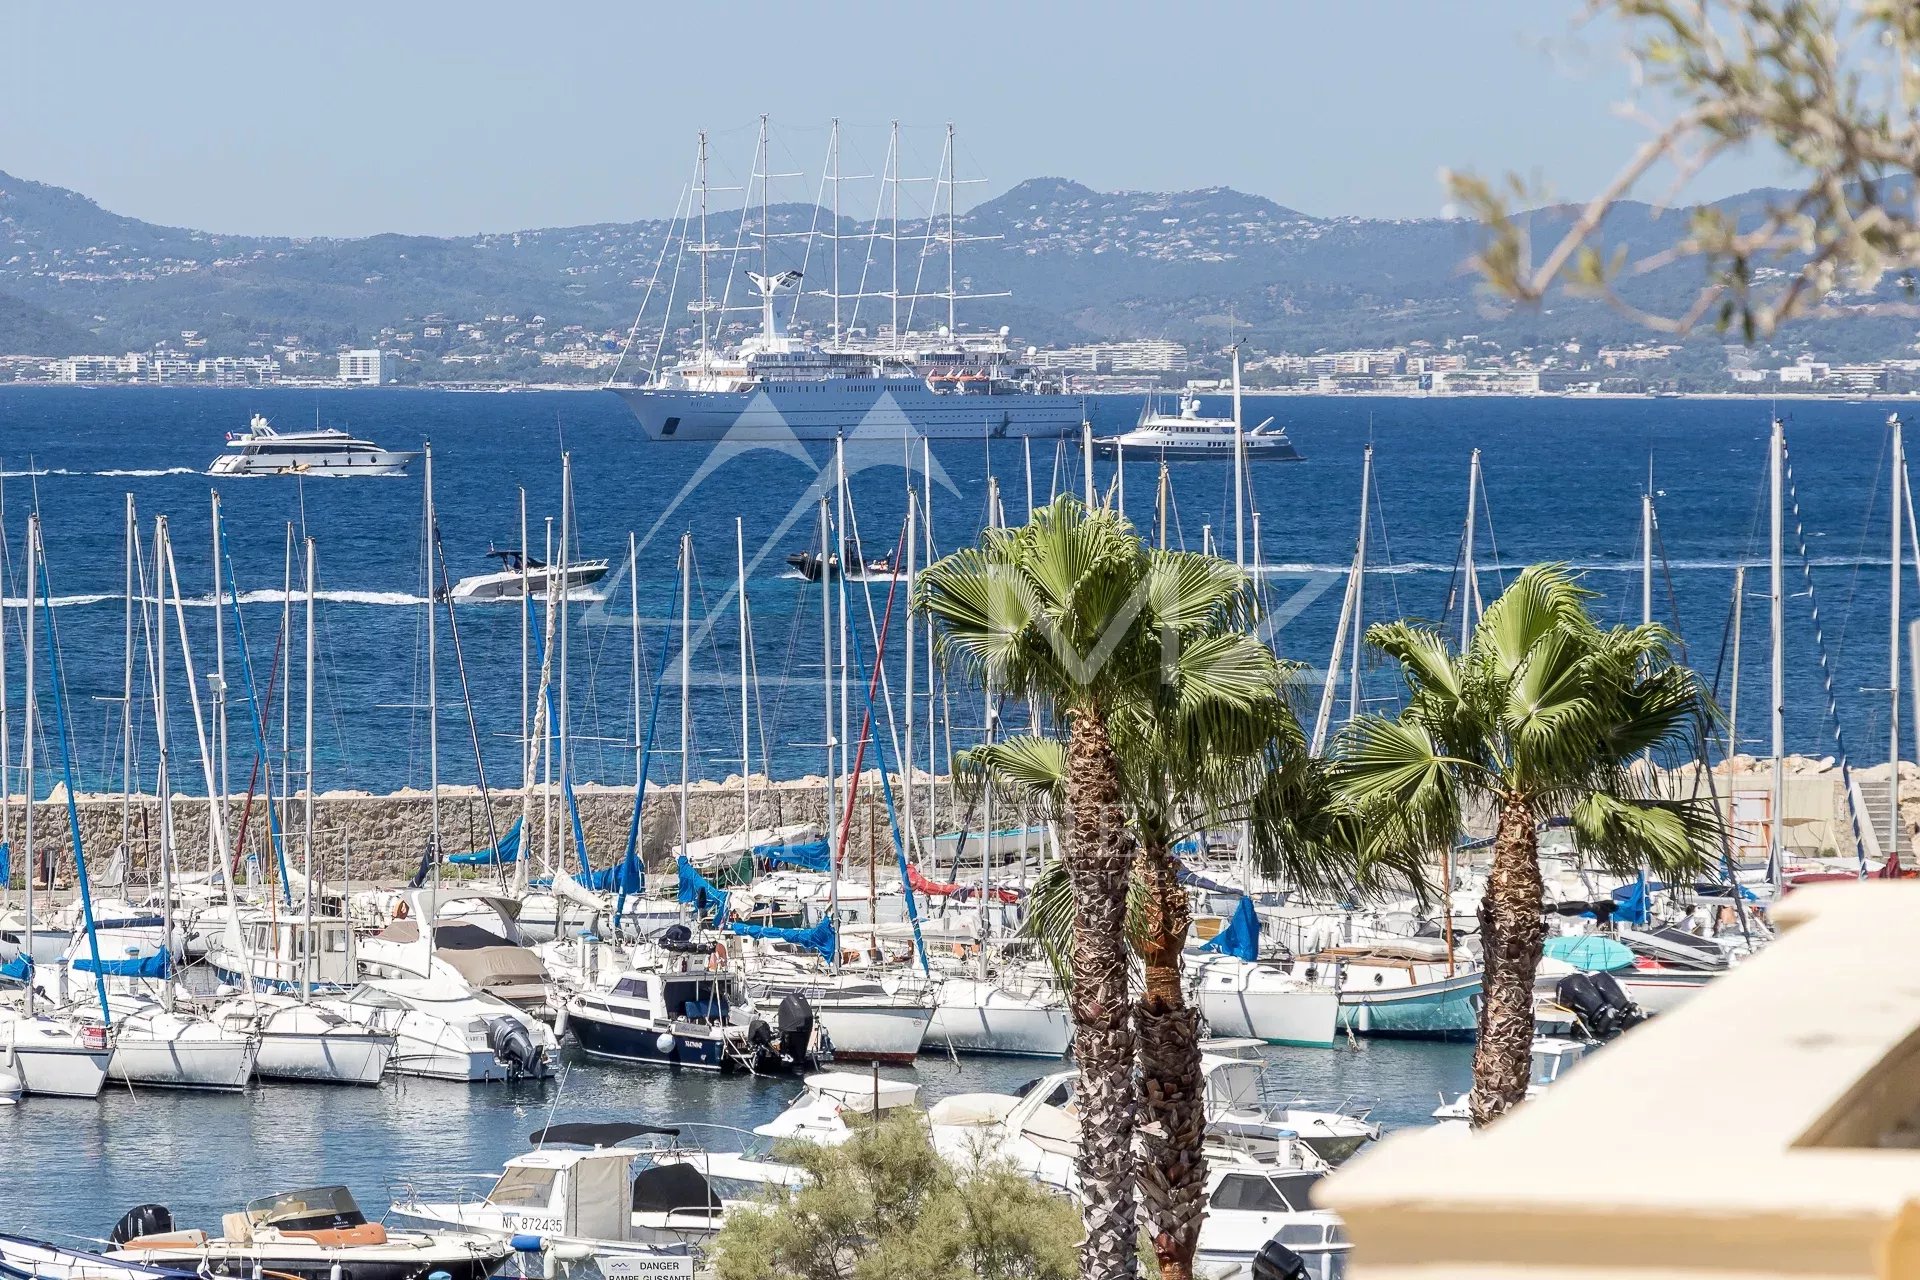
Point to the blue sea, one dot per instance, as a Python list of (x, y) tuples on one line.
[(1563, 481)]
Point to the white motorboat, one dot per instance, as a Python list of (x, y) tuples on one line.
[(520, 575), (1242, 1119), (972, 1015), (473, 941), (303, 1235), (1271, 1000), (445, 1030), (820, 1114), (661, 1016), (261, 450), (1251, 1204), (1551, 1056), (1187, 436), (587, 1185), (54, 1057), (307, 1042)]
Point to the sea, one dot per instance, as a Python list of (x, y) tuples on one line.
[(1563, 481)]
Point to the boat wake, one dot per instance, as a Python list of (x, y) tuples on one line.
[(114, 471)]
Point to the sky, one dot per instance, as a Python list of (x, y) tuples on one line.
[(432, 117)]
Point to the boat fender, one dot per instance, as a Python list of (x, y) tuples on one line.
[(665, 1044), (560, 1023), (527, 1244), (333, 1272)]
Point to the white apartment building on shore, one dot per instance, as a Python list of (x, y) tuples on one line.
[(372, 368)]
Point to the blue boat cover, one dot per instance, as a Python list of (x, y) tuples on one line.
[(701, 893), (19, 969), (619, 877), (6, 862), (820, 938), (1633, 901), (508, 850), (811, 856), (150, 966), (1241, 937), (1589, 952)]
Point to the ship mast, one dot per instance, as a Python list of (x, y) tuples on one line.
[(952, 183)]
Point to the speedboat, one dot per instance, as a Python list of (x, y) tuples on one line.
[(521, 574), (812, 566), (25, 1258), (820, 1114), (261, 450), (1186, 436), (1278, 1001), (1249, 1205), (1240, 1117), (313, 1234), (587, 1186), (1551, 1056), (662, 1016), (445, 1030), (301, 1041), (473, 940)]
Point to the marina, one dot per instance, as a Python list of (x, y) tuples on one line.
[(447, 968)]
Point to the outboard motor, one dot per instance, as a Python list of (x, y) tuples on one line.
[(1277, 1262), (1600, 1003), (512, 1045), (678, 939), (795, 1021), (142, 1220)]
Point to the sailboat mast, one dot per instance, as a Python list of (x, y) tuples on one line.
[(1893, 648), (557, 581), (1776, 591), (826, 692), (163, 779), (286, 686), (1360, 584), (686, 680), (833, 161), (1733, 696), (893, 236), (926, 510), (28, 713), (1469, 588), (1239, 470), (1646, 556), (706, 294), (6, 728), (1086, 459), (219, 661), (433, 703), (989, 722), (127, 693), (906, 754), (841, 527), (746, 654), (306, 753), (953, 331)]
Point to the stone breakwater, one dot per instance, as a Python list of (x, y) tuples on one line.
[(380, 838)]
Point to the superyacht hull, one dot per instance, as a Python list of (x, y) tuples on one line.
[(868, 408)]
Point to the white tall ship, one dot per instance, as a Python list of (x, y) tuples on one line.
[(261, 450), (773, 387)]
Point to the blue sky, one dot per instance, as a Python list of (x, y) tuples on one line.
[(353, 118)]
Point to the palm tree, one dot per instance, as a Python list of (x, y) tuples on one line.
[(1209, 737), (1545, 714), (1071, 609)]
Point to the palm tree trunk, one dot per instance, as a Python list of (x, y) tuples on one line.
[(1096, 856), (1511, 933), (1172, 1168)]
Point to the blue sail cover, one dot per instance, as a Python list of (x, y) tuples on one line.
[(6, 862), (507, 851), (820, 938), (19, 969), (1196, 880), (1241, 938), (811, 856), (618, 877), (701, 893), (149, 966), (1633, 901)]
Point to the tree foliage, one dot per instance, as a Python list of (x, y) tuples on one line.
[(886, 1206), (1833, 89)]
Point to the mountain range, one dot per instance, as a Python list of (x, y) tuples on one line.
[(1078, 265)]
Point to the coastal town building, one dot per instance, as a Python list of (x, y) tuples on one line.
[(371, 367)]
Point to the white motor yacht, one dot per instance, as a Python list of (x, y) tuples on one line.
[(1186, 436), (307, 1042), (446, 1030), (261, 450), (820, 1114), (474, 941), (521, 575), (1241, 1118)]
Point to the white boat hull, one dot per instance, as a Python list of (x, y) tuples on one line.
[(1307, 1018), (330, 1058), (970, 1019), (183, 1063), (61, 1071), (861, 1032), (859, 408)]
